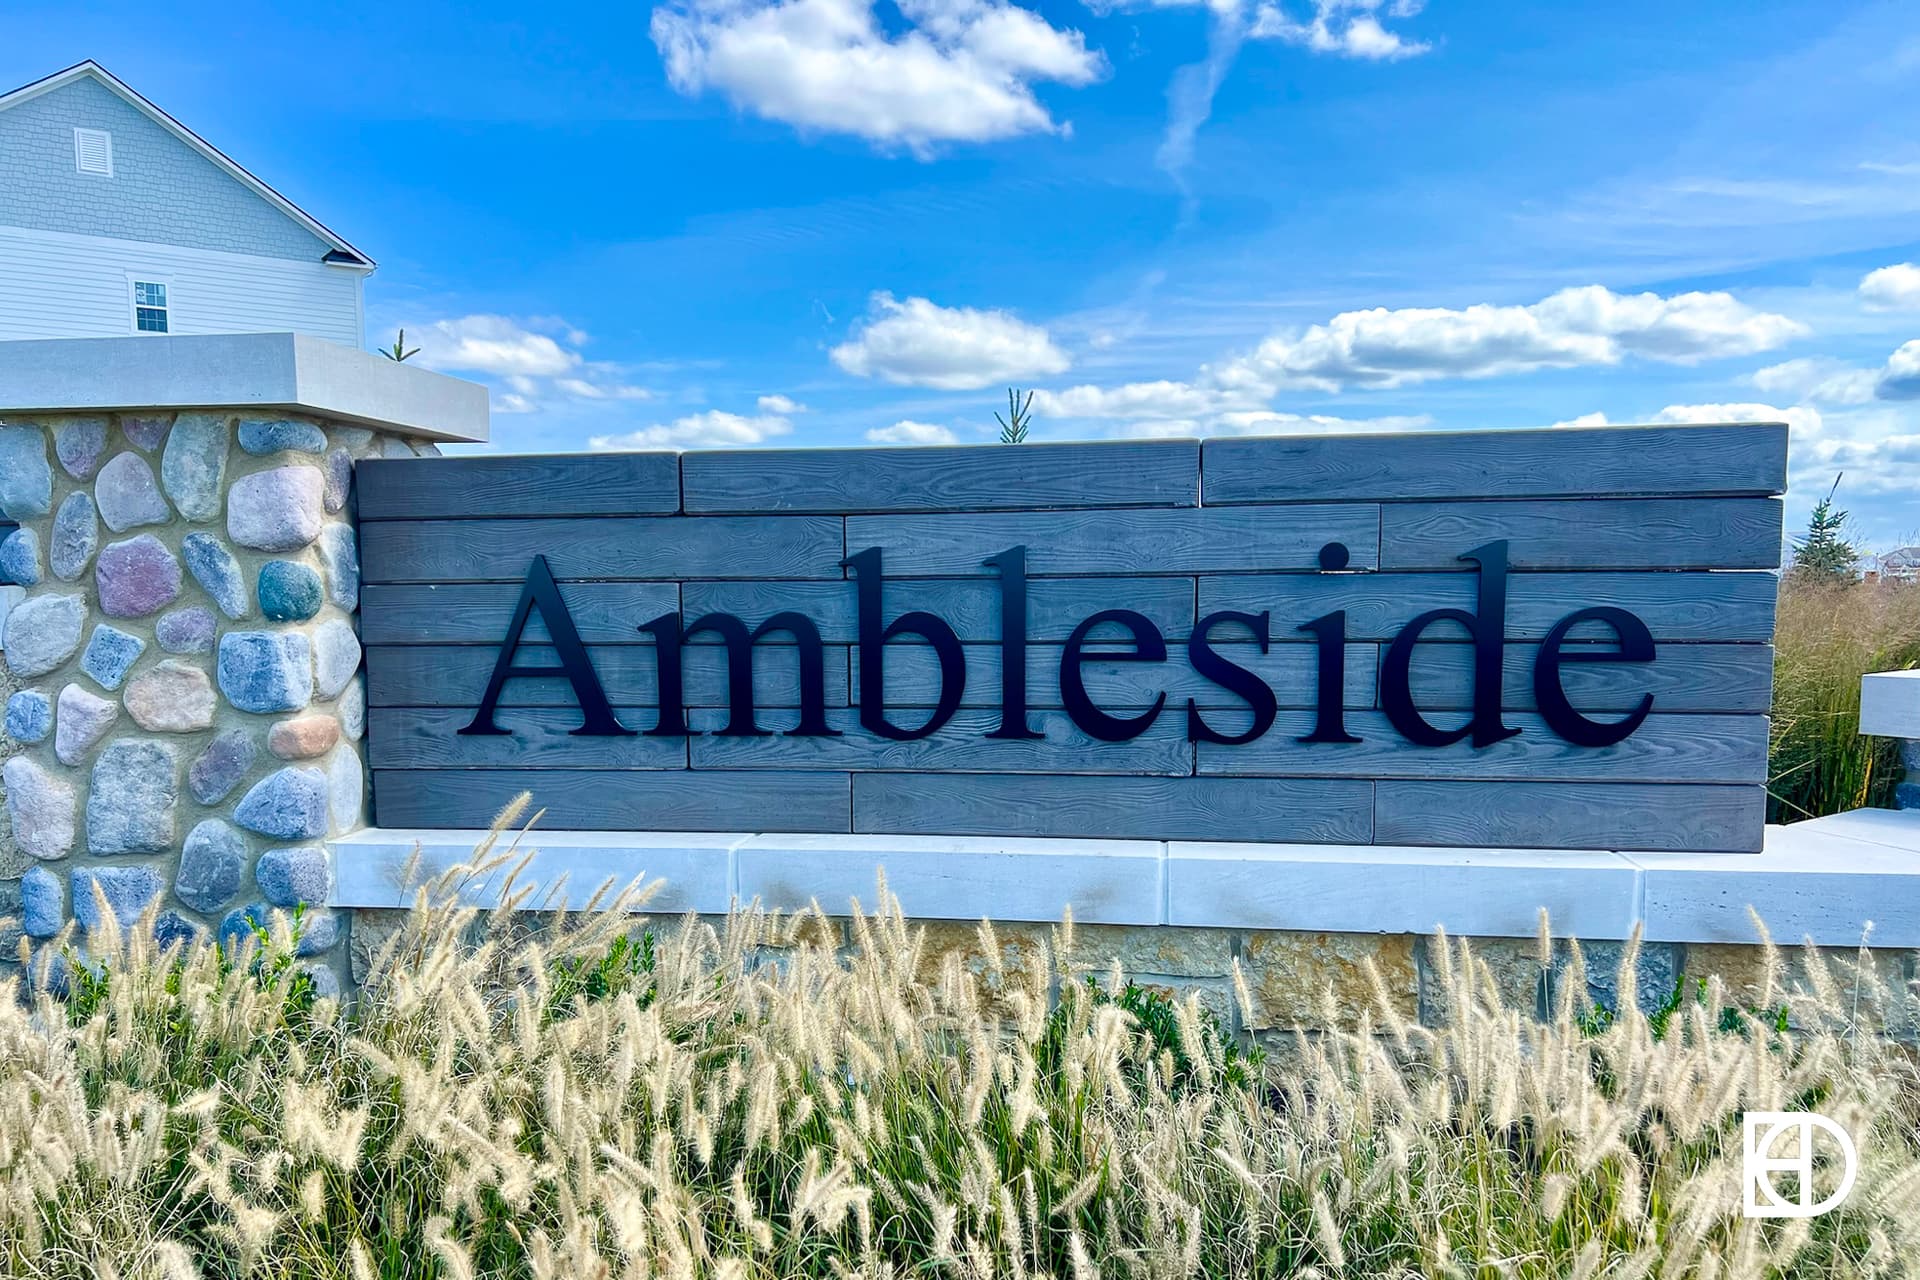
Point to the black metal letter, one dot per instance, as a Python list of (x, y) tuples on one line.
[(1149, 646), (873, 648), (1012, 564), (540, 592), (669, 637), (1487, 626), (1636, 645), (1330, 642), (1232, 677)]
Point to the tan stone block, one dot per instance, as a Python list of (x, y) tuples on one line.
[(1877, 992), (1292, 976), (1024, 949), (1512, 965), (1158, 950), (174, 697), (303, 739), (369, 931)]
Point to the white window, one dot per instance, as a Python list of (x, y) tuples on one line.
[(93, 151), (149, 306)]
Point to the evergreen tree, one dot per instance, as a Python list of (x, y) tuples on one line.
[(1824, 555), (1013, 427)]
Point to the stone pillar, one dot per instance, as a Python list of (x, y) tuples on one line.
[(185, 710)]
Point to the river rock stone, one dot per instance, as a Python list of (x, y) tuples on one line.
[(127, 494), (173, 697), (395, 447), (76, 536), (212, 862), (80, 443), (277, 510), (326, 983), (352, 709), (266, 671), (194, 466), (170, 928), (29, 716), (303, 739), (289, 877), (216, 771), (43, 903), (42, 809), (319, 931), (346, 789), (339, 468), (136, 577), (43, 632), (83, 721), (188, 630), (336, 656), (242, 923), (340, 557), (352, 439), (20, 558), (26, 477), (288, 592), (127, 890), (217, 572), (130, 804), (110, 654), (288, 804), (261, 437), (145, 430)]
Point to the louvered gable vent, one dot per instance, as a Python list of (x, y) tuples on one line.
[(93, 151)]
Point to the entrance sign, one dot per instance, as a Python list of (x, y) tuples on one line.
[(1547, 639)]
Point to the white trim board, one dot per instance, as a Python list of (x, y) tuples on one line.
[(1822, 880)]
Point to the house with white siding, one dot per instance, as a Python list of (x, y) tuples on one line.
[(116, 219)]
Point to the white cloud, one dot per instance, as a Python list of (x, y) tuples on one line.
[(495, 345), (1344, 28), (780, 404), (1586, 420), (585, 390), (1589, 325), (713, 429), (1895, 288), (1820, 378), (907, 431), (1136, 400), (916, 343), (1803, 420), (1268, 422), (944, 71), (1900, 379)]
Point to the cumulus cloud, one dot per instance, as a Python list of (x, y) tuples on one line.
[(778, 404), (907, 431), (916, 343), (1900, 378), (1818, 378), (1895, 288), (713, 429), (1803, 420), (536, 362), (946, 71), (1590, 325), (1268, 422), (1344, 28)]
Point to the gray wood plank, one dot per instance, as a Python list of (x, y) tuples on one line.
[(1321, 810), (540, 738), (1035, 476), (1665, 748), (1290, 670), (1123, 542), (478, 612), (1609, 533), (961, 746), (971, 606), (1557, 462), (1681, 677), (606, 547), (457, 675), (591, 800), (556, 484), (1571, 815), (1675, 606)]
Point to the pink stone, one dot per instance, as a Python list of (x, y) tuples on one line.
[(303, 739), (146, 430), (137, 577)]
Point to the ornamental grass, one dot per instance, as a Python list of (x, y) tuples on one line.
[(578, 1099)]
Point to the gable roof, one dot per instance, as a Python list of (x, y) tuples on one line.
[(341, 252)]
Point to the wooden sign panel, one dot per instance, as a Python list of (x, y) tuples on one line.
[(1540, 639)]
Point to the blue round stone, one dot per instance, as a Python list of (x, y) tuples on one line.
[(289, 592)]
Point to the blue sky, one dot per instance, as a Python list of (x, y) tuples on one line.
[(827, 222)]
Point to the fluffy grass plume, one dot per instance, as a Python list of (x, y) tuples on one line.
[(1827, 637), (750, 1102)]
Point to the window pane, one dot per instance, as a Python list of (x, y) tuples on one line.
[(150, 320), (149, 295)]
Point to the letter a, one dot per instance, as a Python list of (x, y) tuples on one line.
[(575, 667)]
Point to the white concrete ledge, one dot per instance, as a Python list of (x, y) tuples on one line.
[(1823, 880), (285, 371), (1890, 704)]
